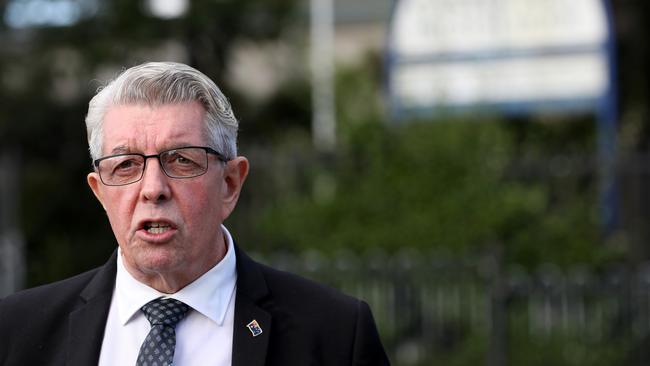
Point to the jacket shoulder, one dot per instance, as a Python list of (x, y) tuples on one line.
[(38, 319), (290, 287), (87, 284), (50, 292), (323, 322), (31, 312)]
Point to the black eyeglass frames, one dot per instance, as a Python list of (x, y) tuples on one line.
[(182, 162)]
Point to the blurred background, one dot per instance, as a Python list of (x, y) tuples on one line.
[(476, 170)]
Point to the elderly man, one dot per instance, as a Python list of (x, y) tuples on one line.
[(178, 290)]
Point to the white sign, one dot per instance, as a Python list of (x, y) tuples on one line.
[(469, 53)]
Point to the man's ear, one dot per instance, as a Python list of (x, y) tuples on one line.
[(94, 182), (235, 173)]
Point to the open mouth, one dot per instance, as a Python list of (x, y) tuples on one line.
[(156, 227)]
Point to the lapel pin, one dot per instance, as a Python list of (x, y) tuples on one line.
[(255, 328)]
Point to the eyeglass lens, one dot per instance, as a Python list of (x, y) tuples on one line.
[(177, 163)]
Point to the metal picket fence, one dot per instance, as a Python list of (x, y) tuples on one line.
[(433, 309)]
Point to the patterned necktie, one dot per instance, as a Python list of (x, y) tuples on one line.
[(158, 348)]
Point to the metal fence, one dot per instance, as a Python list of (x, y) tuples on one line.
[(12, 266), (433, 309)]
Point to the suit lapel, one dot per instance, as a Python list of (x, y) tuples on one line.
[(249, 345), (88, 321), (250, 349)]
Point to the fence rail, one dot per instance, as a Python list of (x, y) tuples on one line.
[(432, 309)]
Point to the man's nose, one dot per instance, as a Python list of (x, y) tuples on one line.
[(155, 183)]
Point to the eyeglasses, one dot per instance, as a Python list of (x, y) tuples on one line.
[(183, 162)]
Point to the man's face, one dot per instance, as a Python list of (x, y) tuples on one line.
[(165, 226)]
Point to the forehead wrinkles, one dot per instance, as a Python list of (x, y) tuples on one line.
[(136, 128)]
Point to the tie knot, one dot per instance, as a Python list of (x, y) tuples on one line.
[(165, 311)]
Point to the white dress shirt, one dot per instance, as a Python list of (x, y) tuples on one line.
[(204, 337)]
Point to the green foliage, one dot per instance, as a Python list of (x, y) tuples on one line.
[(444, 184), (568, 347), (459, 183)]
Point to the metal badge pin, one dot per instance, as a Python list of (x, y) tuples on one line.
[(254, 327)]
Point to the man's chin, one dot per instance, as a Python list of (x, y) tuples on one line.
[(156, 260)]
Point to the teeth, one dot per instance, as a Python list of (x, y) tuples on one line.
[(157, 230), (156, 227)]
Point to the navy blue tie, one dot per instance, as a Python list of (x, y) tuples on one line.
[(163, 315)]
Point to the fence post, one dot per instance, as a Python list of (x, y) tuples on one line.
[(12, 268), (498, 313)]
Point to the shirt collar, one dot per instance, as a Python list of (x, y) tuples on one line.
[(208, 294)]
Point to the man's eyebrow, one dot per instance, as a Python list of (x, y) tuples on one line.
[(121, 149), (177, 145)]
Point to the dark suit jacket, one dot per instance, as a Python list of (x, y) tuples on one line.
[(303, 323)]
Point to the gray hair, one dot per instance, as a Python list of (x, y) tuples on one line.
[(159, 83)]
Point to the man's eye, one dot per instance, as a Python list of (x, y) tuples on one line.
[(183, 160), (179, 159), (125, 166)]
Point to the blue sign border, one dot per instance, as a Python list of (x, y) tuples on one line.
[(604, 107)]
